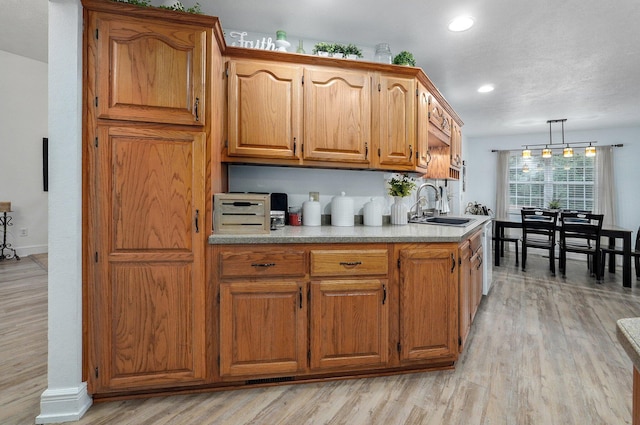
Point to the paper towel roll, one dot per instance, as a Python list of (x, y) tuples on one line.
[(311, 213)]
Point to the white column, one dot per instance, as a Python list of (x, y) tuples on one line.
[(65, 398)]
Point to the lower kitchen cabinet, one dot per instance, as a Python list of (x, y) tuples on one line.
[(349, 323), (263, 328), (428, 302), (470, 284), (464, 297), (309, 311)]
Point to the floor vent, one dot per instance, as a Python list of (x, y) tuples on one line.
[(269, 380)]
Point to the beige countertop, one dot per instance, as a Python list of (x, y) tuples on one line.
[(358, 234), (629, 336)]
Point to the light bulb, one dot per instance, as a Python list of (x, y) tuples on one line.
[(590, 151), (526, 153), (567, 152), (546, 152)]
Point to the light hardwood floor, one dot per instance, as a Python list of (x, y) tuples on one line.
[(542, 350)]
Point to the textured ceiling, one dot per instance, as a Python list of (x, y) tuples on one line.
[(548, 59)]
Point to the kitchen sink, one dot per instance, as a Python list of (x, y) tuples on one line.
[(443, 221)]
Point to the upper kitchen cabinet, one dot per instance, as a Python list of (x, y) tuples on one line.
[(439, 124), (456, 151), (304, 110), (422, 142), (396, 123), (149, 71), (264, 110), (337, 115)]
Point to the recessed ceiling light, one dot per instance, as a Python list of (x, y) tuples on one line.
[(461, 23), (486, 88)]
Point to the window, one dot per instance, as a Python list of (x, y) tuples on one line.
[(537, 181)]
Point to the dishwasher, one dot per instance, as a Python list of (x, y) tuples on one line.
[(487, 260)]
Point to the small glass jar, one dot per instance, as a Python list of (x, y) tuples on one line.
[(383, 53)]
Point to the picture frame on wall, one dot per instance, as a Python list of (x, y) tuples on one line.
[(45, 163)]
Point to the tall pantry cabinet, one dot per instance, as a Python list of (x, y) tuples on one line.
[(146, 141)]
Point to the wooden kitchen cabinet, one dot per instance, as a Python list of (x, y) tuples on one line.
[(396, 123), (349, 323), (349, 312), (423, 156), (262, 310), (439, 124), (264, 110), (150, 71), (464, 296), (428, 302), (337, 115), (263, 328), (456, 146), (475, 244), (470, 283), (146, 138), (146, 326)]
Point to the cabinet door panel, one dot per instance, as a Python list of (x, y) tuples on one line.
[(150, 71), (337, 121), (428, 304), (149, 291), (264, 109), (422, 142), (397, 138), (262, 328), (465, 294), (349, 323)]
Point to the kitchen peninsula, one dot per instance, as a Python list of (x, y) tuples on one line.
[(306, 303)]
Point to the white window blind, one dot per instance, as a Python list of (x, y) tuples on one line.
[(569, 181)]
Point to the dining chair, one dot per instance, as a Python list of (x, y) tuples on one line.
[(539, 231), (502, 239), (618, 251), (580, 233)]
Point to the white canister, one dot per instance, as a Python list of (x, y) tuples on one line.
[(372, 213), (311, 213), (342, 211)]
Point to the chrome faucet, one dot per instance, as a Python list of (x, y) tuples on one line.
[(418, 203)]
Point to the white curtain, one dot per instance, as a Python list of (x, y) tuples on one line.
[(502, 186), (605, 194)]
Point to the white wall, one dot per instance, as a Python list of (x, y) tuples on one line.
[(361, 185), (482, 163), (23, 124)]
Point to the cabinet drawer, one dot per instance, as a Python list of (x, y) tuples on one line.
[(475, 242), (349, 262), (234, 264)]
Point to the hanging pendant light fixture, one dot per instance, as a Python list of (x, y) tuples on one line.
[(525, 168), (567, 147)]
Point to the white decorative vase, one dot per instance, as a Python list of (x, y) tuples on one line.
[(398, 211)]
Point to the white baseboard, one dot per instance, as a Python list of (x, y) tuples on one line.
[(64, 404), (23, 251)]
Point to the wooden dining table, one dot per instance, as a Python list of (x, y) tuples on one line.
[(610, 231)]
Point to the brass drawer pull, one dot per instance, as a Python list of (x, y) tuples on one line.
[(263, 264), (350, 263)]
